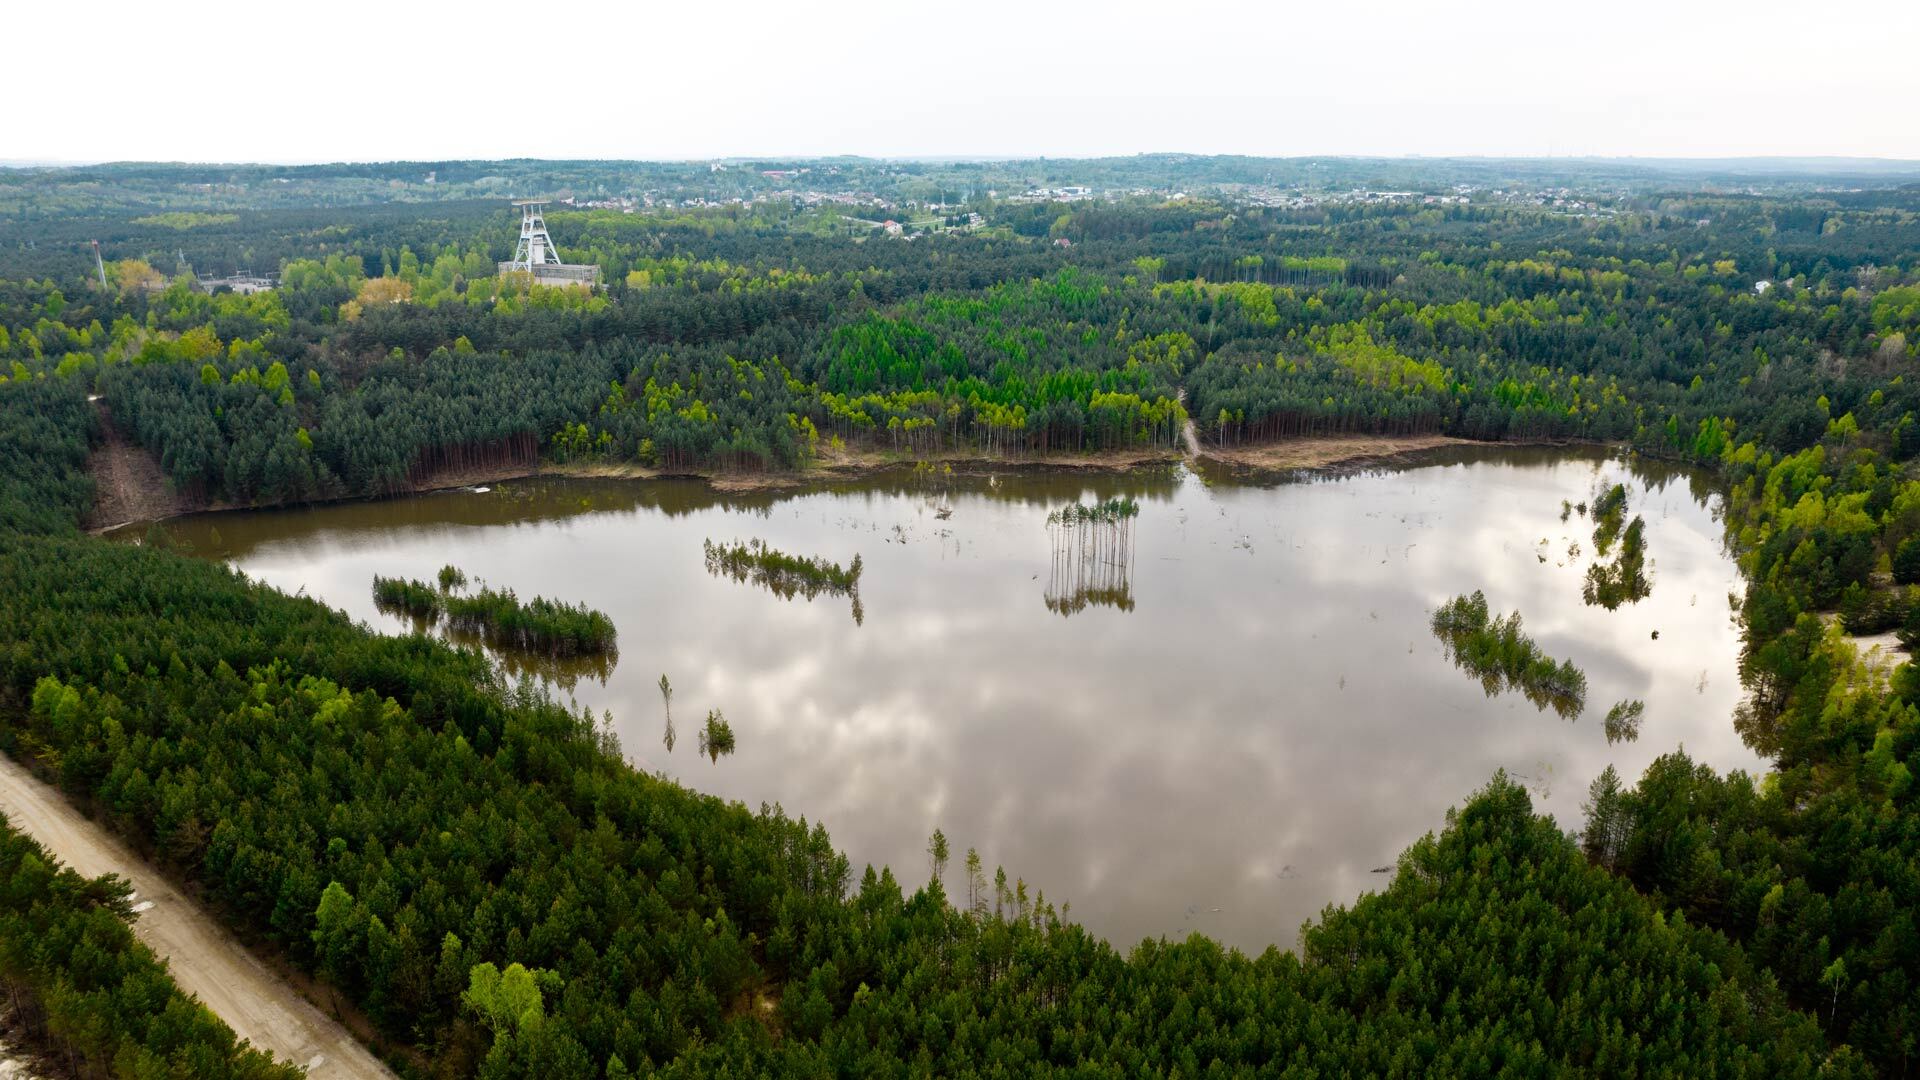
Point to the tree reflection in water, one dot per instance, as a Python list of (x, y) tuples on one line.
[(1092, 561)]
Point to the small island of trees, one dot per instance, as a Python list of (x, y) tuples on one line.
[(716, 736), (1623, 720), (416, 599), (1497, 652), (498, 618), (1624, 580), (538, 625), (786, 576)]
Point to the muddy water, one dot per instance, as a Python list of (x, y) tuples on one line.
[(1226, 730)]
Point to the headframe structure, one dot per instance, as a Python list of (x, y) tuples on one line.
[(536, 255)]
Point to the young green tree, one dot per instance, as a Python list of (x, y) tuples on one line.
[(1835, 978), (1906, 562), (976, 885), (335, 935), (937, 855), (1608, 822), (507, 1002)]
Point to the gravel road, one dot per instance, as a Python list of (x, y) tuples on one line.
[(206, 961)]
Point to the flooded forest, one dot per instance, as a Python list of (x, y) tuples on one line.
[(1076, 674)]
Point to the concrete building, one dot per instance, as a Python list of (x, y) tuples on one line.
[(240, 283)]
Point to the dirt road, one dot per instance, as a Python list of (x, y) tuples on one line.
[(1189, 439), (205, 960), (127, 482)]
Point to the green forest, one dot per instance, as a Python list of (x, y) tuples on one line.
[(478, 872), (723, 345)]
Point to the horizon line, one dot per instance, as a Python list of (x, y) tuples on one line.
[(963, 159)]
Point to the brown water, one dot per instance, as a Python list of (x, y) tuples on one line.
[(1224, 733)]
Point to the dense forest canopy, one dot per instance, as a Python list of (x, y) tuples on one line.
[(753, 336), (480, 873)]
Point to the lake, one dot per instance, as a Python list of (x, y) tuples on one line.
[(1227, 729)]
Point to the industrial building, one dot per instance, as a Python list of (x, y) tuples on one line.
[(537, 256)]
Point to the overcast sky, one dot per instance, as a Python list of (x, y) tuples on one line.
[(367, 81)]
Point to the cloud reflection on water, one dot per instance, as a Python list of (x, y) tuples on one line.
[(1269, 723)]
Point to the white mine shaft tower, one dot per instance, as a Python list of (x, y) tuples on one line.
[(536, 255)]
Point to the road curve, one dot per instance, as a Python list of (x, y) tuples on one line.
[(205, 960)]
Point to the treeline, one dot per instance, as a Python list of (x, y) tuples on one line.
[(1814, 868), (95, 1001), (965, 986), (756, 347)]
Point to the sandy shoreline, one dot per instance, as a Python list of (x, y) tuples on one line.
[(1290, 455), (1332, 451)]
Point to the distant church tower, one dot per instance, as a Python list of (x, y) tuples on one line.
[(536, 255)]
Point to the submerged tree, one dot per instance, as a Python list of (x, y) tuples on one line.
[(784, 575), (416, 599), (1623, 721), (1495, 650), (1092, 556), (452, 578), (1624, 579), (716, 738), (1609, 511), (563, 673), (666, 700)]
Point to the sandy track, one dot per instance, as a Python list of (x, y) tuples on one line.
[(1189, 438), (1325, 451), (128, 484), (205, 960)]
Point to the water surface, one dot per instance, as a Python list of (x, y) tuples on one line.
[(1225, 732)]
